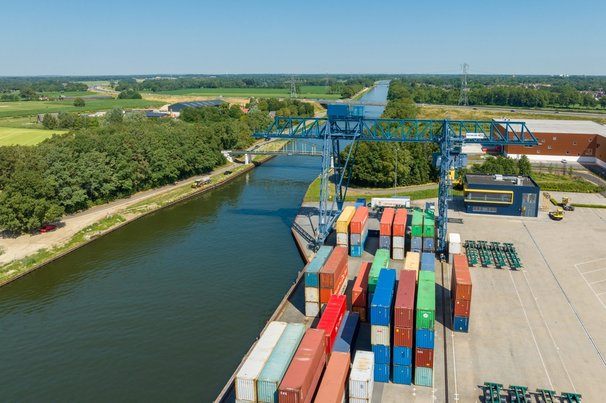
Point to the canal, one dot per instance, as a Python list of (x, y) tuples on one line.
[(164, 308)]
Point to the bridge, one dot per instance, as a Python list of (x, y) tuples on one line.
[(349, 102), (293, 147)]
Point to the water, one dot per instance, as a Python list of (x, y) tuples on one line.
[(164, 308)]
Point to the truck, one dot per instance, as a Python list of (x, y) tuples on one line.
[(198, 183), (396, 201)]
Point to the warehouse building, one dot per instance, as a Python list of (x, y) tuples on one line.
[(178, 107), (570, 140), (501, 195)]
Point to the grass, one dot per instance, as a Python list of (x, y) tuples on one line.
[(561, 183), (56, 94), (309, 91), (27, 108), (26, 137), (30, 122)]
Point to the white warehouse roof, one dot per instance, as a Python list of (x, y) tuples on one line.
[(561, 126)]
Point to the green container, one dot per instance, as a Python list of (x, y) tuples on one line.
[(426, 300), (380, 261), (417, 231), (417, 217), (429, 232), (429, 217)]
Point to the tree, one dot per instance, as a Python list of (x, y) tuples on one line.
[(129, 94), (524, 167), (49, 121), (115, 116), (79, 102)]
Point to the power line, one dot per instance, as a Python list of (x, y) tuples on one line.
[(463, 97), (293, 87)]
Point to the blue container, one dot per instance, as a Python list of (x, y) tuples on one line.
[(356, 250), (428, 262), (430, 206), (416, 244), (312, 270), (402, 374), (381, 372), (402, 355), (360, 202), (382, 353), (384, 242), (380, 306), (346, 338), (425, 338), (461, 324), (429, 245), (337, 111), (424, 376)]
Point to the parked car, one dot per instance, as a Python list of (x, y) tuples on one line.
[(47, 228)]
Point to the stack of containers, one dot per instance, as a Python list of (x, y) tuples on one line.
[(331, 319), (461, 293), (416, 231), (403, 318), (399, 233), (312, 281), (332, 388), (429, 231), (380, 261), (246, 378), (358, 228), (454, 246), (361, 378), (359, 291), (413, 261), (348, 332), (425, 325), (301, 379), (385, 228), (277, 364), (333, 276), (380, 323), (342, 226)]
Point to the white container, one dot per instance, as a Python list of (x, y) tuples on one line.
[(397, 253), (312, 309), (361, 377), (397, 242), (380, 335), (454, 243), (312, 294), (342, 238), (356, 400), (246, 378)]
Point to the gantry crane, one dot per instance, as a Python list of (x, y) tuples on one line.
[(347, 125)]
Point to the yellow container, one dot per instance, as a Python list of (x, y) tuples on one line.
[(412, 262), (345, 218)]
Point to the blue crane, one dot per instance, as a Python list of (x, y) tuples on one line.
[(345, 125)]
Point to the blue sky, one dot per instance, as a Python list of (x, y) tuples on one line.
[(304, 36)]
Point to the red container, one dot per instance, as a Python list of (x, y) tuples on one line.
[(399, 222), (386, 222), (332, 387), (424, 357), (303, 374), (326, 293), (404, 307), (402, 336), (360, 288), (361, 311), (358, 221), (462, 307), (461, 279), (334, 268), (331, 319)]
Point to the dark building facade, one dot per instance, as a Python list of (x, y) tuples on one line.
[(501, 195)]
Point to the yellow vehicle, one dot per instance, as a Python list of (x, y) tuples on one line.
[(201, 182), (557, 215)]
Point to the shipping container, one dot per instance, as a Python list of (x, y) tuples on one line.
[(360, 202), (348, 332), (360, 310), (380, 261), (386, 222), (312, 309), (430, 206), (382, 372), (404, 306), (425, 338), (416, 231), (360, 287), (402, 374), (461, 278), (301, 379), (429, 218), (417, 217), (384, 242), (429, 245), (277, 364), (426, 301), (402, 336), (402, 355), (356, 239), (312, 270), (312, 294), (462, 307), (424, 376), (359, 221), (429, 232), (332, 387), (454, 243), (356, 250), (398, 253), (429, 276), (380, 306), (428, 261), (398, 242), (399, 223), (331, 319), (344, 219), (339, 289), (246, 378), (461, 324), (380, 335), (361, 378), (424, 357), (416, 244), (382, 353), (334, 271), (413, 261), (342, 239)]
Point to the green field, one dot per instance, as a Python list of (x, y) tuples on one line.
[(306, 91), (26, 137), (25, 108), (69, 94)]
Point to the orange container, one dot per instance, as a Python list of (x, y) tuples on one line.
[(359, 296), (332, 387), (399, 222), (356, 226), (386, 222), (461, 278), (462, 307)]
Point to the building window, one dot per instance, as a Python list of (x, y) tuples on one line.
[(488, 197), (480, 209)]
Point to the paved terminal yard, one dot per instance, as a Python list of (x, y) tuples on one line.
[(543, 326)]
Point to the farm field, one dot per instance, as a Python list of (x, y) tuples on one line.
[(309, 91), (26, 137), (26, 108)]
